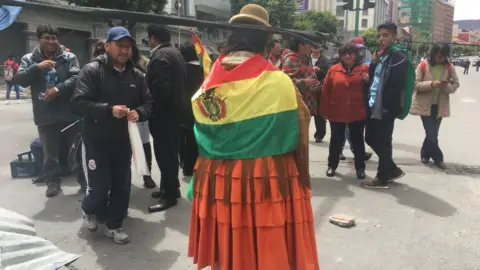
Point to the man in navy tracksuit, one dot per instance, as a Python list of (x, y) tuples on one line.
[(110, 92)]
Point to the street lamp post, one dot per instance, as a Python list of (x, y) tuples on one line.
[(178, 6), (179, 15)]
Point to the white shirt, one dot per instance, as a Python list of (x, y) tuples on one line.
[(314, 60)]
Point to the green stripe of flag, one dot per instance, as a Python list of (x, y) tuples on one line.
[(267, 135)]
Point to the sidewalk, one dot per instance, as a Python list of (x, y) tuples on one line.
[(3, 94)]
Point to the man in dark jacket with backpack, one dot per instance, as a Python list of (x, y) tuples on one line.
[(387, 82), (110, 93), (51, 73)]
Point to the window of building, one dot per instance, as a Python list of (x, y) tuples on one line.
[(365, 12), (341, 24), (340, 11), (364, 23)]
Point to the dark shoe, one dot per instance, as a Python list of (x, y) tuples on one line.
[(368, 156), (374, 183), (361, 174), (52, 190), (441, 165), (162, 205), (425, 160), (161, 194), (187, 173), (318, 140), (148, 182), (330, 172), (397, 173), (342, 157)]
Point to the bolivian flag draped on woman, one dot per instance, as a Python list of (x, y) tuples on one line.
[(258, 104)]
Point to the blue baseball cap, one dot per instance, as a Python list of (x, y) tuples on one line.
[(116, 33)]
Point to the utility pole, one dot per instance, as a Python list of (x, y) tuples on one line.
[(178, 7), (179, 30), (357, 16)]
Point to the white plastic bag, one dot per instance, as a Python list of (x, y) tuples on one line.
[(137, 149)]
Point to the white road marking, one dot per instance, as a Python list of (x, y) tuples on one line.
[(469, 100)]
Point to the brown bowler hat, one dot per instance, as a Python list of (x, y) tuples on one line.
[(252, 13)]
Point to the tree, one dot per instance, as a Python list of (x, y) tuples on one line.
[(370, 38), (322, 21), (146, 6), (281, 12)]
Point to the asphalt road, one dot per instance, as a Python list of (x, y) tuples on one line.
[(427, 220)]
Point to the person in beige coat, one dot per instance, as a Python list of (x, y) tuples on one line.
[(435, 80)]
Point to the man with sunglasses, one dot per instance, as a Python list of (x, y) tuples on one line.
[(52, 73), (110, 93)]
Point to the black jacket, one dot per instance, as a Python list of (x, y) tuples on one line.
[(323, 64), (395, 66), (99, 88), (166, 76), (59, 109), (193, 84)]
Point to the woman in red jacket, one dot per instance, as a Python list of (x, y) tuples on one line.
[(343, 103)]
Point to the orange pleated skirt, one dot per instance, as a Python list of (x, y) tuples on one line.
[(252, 226)]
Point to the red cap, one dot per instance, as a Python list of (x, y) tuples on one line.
[(358, 41)]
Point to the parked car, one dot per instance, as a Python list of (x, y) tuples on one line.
[(458, 62)]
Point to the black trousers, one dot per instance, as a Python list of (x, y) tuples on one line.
[(51, 138), (465, 71), (430, 147), (321, 127), (107, 170), (378, 135), (337, 138), (165, 135), (188, 149), (147, 148)]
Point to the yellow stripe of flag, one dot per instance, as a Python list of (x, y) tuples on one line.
[(233, 101)]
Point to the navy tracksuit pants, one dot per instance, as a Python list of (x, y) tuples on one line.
[(107, 171)]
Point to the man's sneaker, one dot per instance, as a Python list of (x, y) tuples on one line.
[(90, 222), (341, 157), (374, 183), (368, 156), (397, 173), (118, 235), (18, 101), (7, 102), (52, 190)]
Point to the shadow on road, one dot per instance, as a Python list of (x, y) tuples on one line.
[(331, 190), (411, 197), (62, 208), (67, 208), (407, 148), (139, 252)]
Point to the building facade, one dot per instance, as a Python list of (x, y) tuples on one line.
[(347, 18), (323, 5), (443, 21), (381, 12), (80, 33)]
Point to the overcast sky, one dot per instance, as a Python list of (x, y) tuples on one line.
[(467, 9)]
